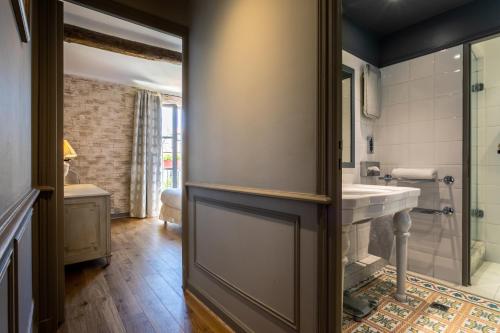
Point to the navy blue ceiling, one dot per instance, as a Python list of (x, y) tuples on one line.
[(383, 17), (384, 32)]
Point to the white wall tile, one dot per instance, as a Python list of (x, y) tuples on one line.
[(491, 194), (449, 60), (449, 152), (397, 73), (448, 83), (422, 88), (448, 269), (492, 145), (492, 95), (449, 106), (493, 233), (421, 110), (492, 252), (449, 246), (421, 262), (451, 225), (492, 213), (421, 154), (448, 129), (493, 115), (422, 132), (422, 67), (395, 114), (395, 94)]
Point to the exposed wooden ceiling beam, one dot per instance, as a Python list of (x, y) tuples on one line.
[(74, 34)]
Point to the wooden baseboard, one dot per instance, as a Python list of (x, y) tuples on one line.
[(120, 216), (213, 321)]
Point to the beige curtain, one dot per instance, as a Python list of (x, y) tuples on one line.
[(145, 184)]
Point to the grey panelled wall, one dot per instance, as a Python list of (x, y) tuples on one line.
[(253, 93), (256, 250), (15, 111), (255, 259)]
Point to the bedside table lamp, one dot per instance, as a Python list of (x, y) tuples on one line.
[(69, 154)]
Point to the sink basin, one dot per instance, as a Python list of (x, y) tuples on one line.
[(362, 202)]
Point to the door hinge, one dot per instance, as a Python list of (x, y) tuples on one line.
[(477, 213), (477, 87)]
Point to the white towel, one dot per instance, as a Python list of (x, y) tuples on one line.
[(372, 92), (402, 173)]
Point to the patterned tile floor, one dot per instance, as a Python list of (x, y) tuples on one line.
[(467, 313)]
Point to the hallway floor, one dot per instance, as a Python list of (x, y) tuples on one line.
[(140, 291)]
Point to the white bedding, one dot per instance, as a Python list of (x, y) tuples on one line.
[(171, 207)]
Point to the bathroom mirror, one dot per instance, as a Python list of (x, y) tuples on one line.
[(347, 117)]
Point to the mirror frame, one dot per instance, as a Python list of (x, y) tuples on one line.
[(348, 72)]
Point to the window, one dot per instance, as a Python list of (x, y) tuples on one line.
[(171, 146)]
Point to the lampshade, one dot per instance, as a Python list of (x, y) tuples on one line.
[(69, 152)]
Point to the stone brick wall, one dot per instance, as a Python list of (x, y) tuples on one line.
[(98, 123)]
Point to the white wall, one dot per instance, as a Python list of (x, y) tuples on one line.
[(363, 127), (487, 137), (421, 127), (253, 94)]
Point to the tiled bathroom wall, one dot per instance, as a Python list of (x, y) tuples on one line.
[(421, 127), (487, 137)]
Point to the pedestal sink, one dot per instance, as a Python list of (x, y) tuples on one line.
[(363, 203)]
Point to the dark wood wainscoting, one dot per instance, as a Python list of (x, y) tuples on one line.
[(16, 296)]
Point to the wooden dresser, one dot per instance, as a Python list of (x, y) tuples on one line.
[(87, 229)]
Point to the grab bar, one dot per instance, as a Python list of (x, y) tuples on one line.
[(445, 211), (448, 180)]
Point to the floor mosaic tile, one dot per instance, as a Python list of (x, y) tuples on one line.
[(467, 312)]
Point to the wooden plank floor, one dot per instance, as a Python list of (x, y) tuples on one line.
[(140, 291)]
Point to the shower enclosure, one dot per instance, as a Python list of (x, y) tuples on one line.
[(484, 168)]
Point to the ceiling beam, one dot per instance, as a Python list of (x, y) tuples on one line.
[(74, 34)]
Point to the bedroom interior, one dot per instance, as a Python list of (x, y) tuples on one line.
[(123, 167)]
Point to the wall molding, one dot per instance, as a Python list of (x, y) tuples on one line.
[(295, 196), (14, 217), (294, 322)]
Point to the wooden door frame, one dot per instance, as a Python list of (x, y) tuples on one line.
[(329, 165), (46, 47), (47, 163)]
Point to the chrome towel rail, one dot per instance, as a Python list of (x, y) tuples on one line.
[(448, 180), (445, 211)]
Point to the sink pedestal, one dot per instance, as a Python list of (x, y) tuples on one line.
[(401, 227)]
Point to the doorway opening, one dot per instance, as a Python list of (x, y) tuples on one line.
[(123, 129)]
